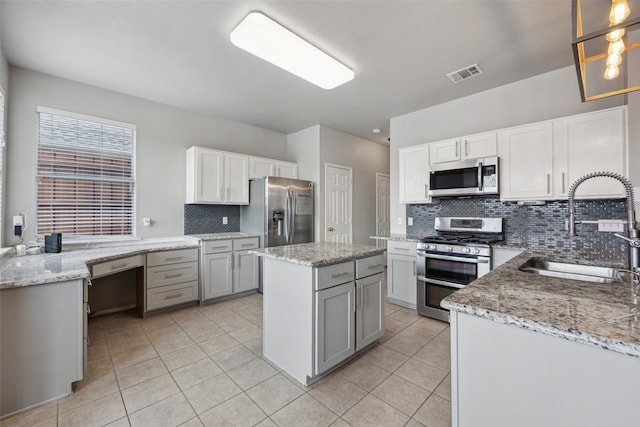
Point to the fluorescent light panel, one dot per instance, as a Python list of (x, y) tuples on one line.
[(266, 39)]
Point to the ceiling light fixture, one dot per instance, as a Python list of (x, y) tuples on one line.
[(600, 52), (266, 39), (376, 131)]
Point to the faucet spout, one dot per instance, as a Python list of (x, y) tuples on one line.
[(633, 235)]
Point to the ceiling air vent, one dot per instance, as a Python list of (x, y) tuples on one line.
[(465, 73)]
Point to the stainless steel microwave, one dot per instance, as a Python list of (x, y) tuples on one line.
[(473, 177)]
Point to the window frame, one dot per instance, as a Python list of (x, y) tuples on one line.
[(80, 238)]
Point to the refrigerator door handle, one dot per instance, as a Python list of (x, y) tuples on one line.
[(292, 216), (286, 216)]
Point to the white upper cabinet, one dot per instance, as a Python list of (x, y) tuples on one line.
[(260, 167), (480, 145), (526, 162), (468, 147), (414, 174), (286, 169), (236, 177), (589, 143), (444, 151), (542, 161), (217, 177)]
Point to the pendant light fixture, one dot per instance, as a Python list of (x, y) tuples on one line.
[(605, 59)]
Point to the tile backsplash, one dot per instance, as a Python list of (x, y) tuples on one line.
[(203, 219), (540, 228)]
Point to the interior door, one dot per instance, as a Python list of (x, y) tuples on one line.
[(383, 224), (338, 201)]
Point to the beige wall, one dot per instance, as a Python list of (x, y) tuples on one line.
[(546, 96), (163, 134)]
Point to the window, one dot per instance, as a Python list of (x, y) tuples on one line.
[(86, 176)]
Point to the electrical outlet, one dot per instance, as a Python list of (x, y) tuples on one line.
[(225, 220), (146, 221), (611, 225), (410, 221)]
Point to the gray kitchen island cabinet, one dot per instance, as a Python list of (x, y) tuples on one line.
[(323, 303)]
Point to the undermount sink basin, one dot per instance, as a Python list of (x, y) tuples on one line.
[(586, 273)]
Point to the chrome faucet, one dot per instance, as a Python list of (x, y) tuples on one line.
[(633, 235)]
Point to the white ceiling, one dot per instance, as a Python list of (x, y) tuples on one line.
[(178, 53)]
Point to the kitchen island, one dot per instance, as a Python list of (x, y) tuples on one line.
[(531, 350), (323, 303)]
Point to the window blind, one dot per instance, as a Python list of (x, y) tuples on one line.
[(85, 175)]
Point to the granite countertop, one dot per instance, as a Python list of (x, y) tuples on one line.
[(403, 237), (319, 253), (28, 270), (599, 315), (223, 236)]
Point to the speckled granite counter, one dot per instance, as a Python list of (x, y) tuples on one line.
[(594, 314), (404, 237), (319, 253), (223, 236), (44, 268)]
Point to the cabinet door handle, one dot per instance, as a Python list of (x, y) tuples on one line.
[(174, 296), (119, 266), (466, 147), (334, 276), (354, 300), (175, 258), (548, 183), (562, 182), (374, 266), (456, 149), (173, 276), (426, 191), (361, 298), (415, 269)]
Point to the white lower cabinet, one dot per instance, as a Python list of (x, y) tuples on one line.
[(349, 316), (172, 278), (217, 279), (335, 326), (41, 354), (317, 317), (228, 267), (401, 274)]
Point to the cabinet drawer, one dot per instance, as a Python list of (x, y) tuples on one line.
[(172, 257), (369, 266), (245, 244), (122, 264), (217, 246), (166, 296), (332, 275), (402, 247), (169, 274)]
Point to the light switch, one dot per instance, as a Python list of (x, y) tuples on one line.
[(410, 221)]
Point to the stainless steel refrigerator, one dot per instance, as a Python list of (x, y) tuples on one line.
[(280, 210)]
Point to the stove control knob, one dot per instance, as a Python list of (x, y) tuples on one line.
[(476, 251), (432, 247), (449, 249), (466, 250)]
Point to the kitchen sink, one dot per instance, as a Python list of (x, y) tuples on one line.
[(586, 273)]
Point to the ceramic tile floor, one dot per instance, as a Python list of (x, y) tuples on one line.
[(203, 366)]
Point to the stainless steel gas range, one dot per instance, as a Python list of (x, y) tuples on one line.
[(457, 255)]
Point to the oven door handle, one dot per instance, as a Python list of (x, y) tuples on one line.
[(479, 176), (455, 258), (440, 282)]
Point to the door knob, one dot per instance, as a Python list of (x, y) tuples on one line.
[(330, 229)]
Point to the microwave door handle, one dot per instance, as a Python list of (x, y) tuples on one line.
[(479, 176)]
